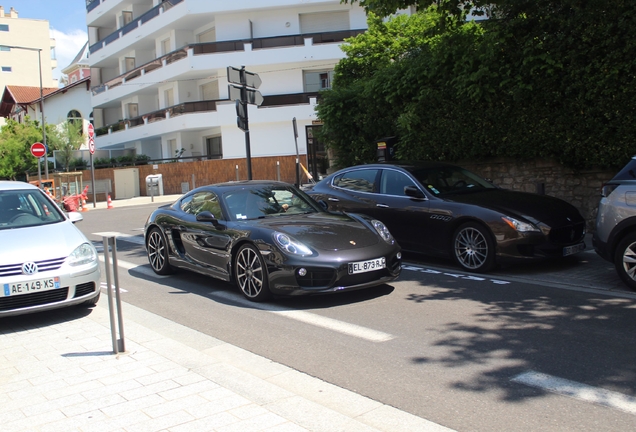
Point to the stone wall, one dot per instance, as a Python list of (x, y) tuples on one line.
[(582, 189)]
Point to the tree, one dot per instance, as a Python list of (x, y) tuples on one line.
[(15, 148), (544, 79), (66, 139)]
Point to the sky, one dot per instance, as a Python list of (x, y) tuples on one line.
[(67, 22)]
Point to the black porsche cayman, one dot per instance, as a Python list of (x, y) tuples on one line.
[(448, 211), (270, 238)]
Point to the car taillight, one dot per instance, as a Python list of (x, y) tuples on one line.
[(607, 189)]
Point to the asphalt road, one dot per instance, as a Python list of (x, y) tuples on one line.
[(458, 349)]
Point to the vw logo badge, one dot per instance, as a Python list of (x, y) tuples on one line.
[(29, 268)]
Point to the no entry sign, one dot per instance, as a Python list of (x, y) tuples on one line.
[(38, 150)]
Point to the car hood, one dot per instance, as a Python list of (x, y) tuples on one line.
[(39, 243), (533, 207), (323, 231)]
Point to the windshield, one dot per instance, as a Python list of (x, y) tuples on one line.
[(22, 208), (447, 180), (253, 203)]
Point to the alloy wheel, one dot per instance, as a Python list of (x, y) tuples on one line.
[(250, 274), (471, 248)]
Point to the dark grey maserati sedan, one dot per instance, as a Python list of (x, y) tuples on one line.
[(444, 210), (270, 238)]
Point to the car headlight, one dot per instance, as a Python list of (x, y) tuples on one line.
[(83, 254), (517, 225), (291, 245), (383, 231)]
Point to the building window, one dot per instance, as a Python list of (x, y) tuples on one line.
[(317, 80), (4, 27), (75, 118), (6, 69), (214, 148), (4, 48)]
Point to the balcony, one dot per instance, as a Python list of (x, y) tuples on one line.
[(162, 114), (225, 46), (200, 106), (141, 20)]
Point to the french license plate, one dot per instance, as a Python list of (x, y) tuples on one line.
[(12, 289), (367, 266), (571, 250)]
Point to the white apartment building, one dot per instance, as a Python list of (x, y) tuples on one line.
[(159, 83)]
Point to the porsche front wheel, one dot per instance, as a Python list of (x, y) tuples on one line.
[(250, 274), (158, 252)]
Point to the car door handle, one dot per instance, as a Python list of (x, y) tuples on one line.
[(382, 205), (333, 199)]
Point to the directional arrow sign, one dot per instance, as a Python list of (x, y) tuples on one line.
[(252, 96), (243, 77), (38, 149)]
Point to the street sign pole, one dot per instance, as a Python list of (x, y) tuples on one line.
[(38, 150), (248, 151), (91, 150), (297, 155), (242, 88)]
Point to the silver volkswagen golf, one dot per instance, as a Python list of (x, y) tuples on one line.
[(45, 261)]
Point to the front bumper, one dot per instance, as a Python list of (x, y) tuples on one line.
[(76, 287)]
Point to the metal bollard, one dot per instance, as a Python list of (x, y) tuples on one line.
[(278, 170), (110, 246), (237, 173)]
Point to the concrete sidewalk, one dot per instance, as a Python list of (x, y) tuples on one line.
[(58, 373)]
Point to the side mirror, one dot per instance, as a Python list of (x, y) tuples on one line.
[(414, 192), (324, 205), (207, 216), (75, 216)]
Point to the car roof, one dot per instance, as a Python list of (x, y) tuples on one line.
[(409, 166), (6, 185)]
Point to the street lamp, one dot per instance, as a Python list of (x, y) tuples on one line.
[(46, 158)]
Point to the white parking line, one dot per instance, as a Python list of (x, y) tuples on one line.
[(139, 268), (578, 391), (457, 275), (310, 318)]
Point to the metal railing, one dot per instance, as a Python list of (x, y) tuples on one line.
[(225, 46), (140, 20)]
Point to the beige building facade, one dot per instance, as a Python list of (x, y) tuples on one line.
[(19, 66)]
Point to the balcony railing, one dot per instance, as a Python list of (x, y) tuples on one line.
[(162, 114), (199, 106), (141, 20), (92, 4), (225, 46)]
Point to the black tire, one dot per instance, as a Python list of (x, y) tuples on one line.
[(473, 248), (157, 250), (625, 260), (92, 302), (250, 274)]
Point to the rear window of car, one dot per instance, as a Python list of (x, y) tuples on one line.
[(362, 180), (628, 172)]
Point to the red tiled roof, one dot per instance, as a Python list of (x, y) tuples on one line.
[(27, 94), (21, 95)]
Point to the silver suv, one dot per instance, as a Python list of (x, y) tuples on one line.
[(615, 236)]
